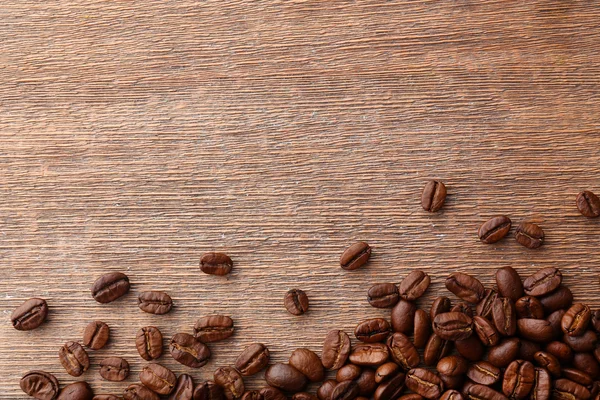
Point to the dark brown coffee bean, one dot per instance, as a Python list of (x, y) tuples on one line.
[(452, 382), (588, 204), (440, 305), (232, 382), (528, 349), (567, 389), (158, 378), (366, 382), (385, 371), (537, 330), (594, 389), (355, 256), (109, 287), (576, 319), (577, 376), (466, 287), (548, 361), (148, 342), (582, 344), (76, 391), (484, 373), (154, 302), (383, 295), (255, 395), (139, 392), (435, 349), (296, 302), (216, 264), (452, 395), (484, 307), (391, 388), (96, 335), (74, 358), (529, 307), (482, 392), (529, 235), (555, 320), (464, 308), (470, 348), (184, 388), (346, 390), (114, 369), (324, 391), (561, 351), (285, 377), (372, 330), (509, 283), (422, 329), (403, 316), (587, 363), (452, 366), (425, 383), (504, 352), (254, 358), (494, 229), (209, 390), (433, 196), (519, 378), (505, 316), (486, 331), (29, 315), (542, 385), (189, 351), (369, 354), (560, 298), (336, 349), (40, 384), (348, 372), (414, 285), (403, 351), (213, 328), (308, 363), (453, 326)]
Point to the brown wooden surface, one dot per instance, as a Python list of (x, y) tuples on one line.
[(134, 136)]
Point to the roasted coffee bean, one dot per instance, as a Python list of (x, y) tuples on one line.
[(494, 229), (324, 391), (154, 302), (537, 330), (346, 390), (484, 373), (189, 351), (139, 392), (555, 320), (76, 391), (216, 264), (453, 326), (391, 388), (528, 349), (74, 358), (452, 366), (484, 307), (582, 344), (587, 363), (466, 287), (453, 382), (383, 295), (385, 371), (529, 235), (548, 361), (435, 349), (253, 359), (96, 335), (542, 385), (348, 372), (114, 369), (529, 307), (464, 308), (411, 396), (414, 285), (336, 349), (29, 315), (561, 351), (301, 396), (433, 196), (232, 382), (509, 283), (372, 330), (403, 351), (422, 329), (505, 316), (577, 376), (148, 342), (452, 395), (482, 392), (504, 352), (158, 378), (255, 395), (209, 390), (308, 363), (40, 384), (576, 319), (403, 316), (440, 305), (105, 397), (296, 302), (355, 256), (109, 287), (594, 389), (560, 298), (519, 378), (366, 382), (486, 331), (285, 377), (213, 328), (470, 348), (596, 320), (588, 204), (184, 388), (567, 389), (425, 383), (369, 354)]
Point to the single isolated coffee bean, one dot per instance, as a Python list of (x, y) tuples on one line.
[(308, 363), (383, 295), (139, 392), (390, 389), (372, 330), (109, 287), (529, 235), (484, 307), (188, 350), (149, 343), (216, 264), (348, 372), (452, 366), (155, 302), (494, 229), (158, 378), (560, 298), (184, 388), (542, 282), (519, 378), (39, 384), (422, 329), (346, 390), (588, 204), (414, 285), (484, 373), (324, 391), (504, 352), (505, 316), (369, 354), (29, 315), (296, 302), (336, 349), (209, 390), (425, 383), (529, 307), (440, 305), (536, 330), (114, 369), (403, 351), (403, 316), (576, 319), (355, 256), (509, 283), (285, 377), (96, 335), (213, 328), (435, 349), (76, 391), (466, 287), (74, 358), (453, 326), (385, 371), (433, 196), (253, 359)]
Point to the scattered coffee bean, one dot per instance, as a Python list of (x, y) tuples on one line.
[(577, 376), (433, 196), (213, 328), (369, 354), (452, 395), (462, 307), (184, 388), (453, 326), (422, 329), (29, 315), (509, 283), (587, 363), (139, 392), (74, 358), (385, 371), (542, 385), (452, 366), (425, 383), (560, 298), (527, 350), (391, 388), (529, 235), (114, 369), (576, 319), (403, 316), (504, 352), (585, 343), (466, 287), (155, 302), (253, 359), (440, 305), (548, 361), (414, 285), (504, 315), (561, 351), (355, 256), (308, 363), (482, 392), (567, 389), (588, 204), (76, 391), (494, 229), (486, 331), (435, 349), (300, 396), (336, 349), (372, 330), (216, 264), (96, 335), (158, 378), (348, 372), (109, 287), (403, 351), (324, 391), (285, 377), (296, 302), (39, 384), (542, 282), (209, 390), (149, 343), (366, 383), (484, 373), (529, 307), (346, 390), (484, 307), (537, 330), (470, 348), (188, 350), (383, 295)]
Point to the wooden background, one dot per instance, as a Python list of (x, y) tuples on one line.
[(134, 136)]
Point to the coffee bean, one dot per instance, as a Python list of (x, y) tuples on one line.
[(346, 390), (548, 361), (484, 373), (543, 281), (96, 335), (372, 330), (555, 320), (414, 285), (425, 383), (29, 315), (577, 376), (466, 287), (509, 283), (324, 391), (494, 229), (484, 307), (440, 305), (486, 331), (105, 397), (308, 363), (529, 235), (560, 298), (482, 392), (529, 307), (285, 377), (189, 351), (528, 349), (336, 349), (452, 395), (369, 354), (435, 349), (561, 351), (366, 382), (76, 391), (39, 384), (453, 326), (255, 395), (355, 256), (537, 330), (403, 316), (403, 351), (302, 396), (594, 389), (296, 302), (383, 295), (505, 316), (576, 319), (588, 204), (422, 329), (114, 369), (232, 382), (213, 328), (184, 388), (386, 371), (271, 393), (464, 308), (348, 372), (542, 385), (582, 344), (519, 378), (254, 358), (209, 390), (567, 389), (391, 388), (587, 363), (216, 264), (158, 378), (470, 348), (504, 352), (74, 358), (155, 302), (139, 392), (452, 382), (452, 366), (433, 196), (148, 342), (109, 287)]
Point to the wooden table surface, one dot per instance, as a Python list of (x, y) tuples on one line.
[(135, 136)]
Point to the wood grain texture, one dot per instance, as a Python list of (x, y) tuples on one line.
[(134, 136)]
